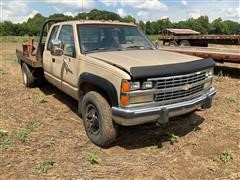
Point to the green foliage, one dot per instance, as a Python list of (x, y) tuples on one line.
[(23, 135), (233, 99), (3, 132), (92, 158), (220, 76), (33, 125), (41, 98), (154, 147), (5, 139), (226, 156), (173, 138), (44, 166), (201, 24)]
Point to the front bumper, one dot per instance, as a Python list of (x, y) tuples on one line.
[(161, 114)]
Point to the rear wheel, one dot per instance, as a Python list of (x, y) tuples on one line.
[(184, 43), (28, 79), (173, 43), (97, 118)]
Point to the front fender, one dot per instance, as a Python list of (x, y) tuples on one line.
[(103, 84)]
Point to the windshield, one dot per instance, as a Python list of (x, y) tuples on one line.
[(111, 37)]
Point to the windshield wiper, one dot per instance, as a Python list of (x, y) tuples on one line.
[(102, 49), (137, 46), (134, 46), (95, 49)]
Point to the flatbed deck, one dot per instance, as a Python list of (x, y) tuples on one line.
[(218, 54), (30, 60)]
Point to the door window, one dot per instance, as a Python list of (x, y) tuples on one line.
[(67, 39), (52, 36)]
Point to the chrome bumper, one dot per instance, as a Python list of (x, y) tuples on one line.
[(161, 114)]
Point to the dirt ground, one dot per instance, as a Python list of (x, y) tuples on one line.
[(42, 136)]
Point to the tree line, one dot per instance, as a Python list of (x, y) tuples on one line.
[(202, 24)]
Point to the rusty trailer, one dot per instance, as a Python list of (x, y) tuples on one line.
[(188, 37), (218, 54)]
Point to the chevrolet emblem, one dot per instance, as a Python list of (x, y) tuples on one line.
[(187, 87)]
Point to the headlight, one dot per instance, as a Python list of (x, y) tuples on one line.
[(147, 85), (135, 86), (209, 73)]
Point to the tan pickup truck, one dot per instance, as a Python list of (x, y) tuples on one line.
[(117, 75)]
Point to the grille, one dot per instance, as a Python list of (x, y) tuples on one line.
[(178, 94), (174, 87), (176, 81)]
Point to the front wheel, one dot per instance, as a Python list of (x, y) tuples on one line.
[(97, 118)]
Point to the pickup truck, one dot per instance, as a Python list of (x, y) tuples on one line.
[(116, 74)]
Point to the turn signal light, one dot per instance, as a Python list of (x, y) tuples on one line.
[(124, 100), (125, 86)]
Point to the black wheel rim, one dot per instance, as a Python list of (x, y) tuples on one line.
[(92, 119)]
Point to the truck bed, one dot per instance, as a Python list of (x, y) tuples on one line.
[(30, 60)]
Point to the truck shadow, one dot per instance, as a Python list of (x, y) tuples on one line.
[(146, 135), (140, 136)]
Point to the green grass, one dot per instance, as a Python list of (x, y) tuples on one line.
[(92, 158), (232, 99), (44, 166), (6, 140), (16, 39), (23, 135), (221, 76), (173, 138), (33, 125), (154, 147), (153, 38), (41, 98), (226, 156)]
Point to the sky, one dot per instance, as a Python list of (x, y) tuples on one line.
[(18, 11)]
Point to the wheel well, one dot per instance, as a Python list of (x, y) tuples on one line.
[(87, 87)]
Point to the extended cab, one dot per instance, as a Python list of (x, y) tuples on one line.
[(117, 75)]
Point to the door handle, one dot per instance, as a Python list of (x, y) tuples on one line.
[(53, 59)]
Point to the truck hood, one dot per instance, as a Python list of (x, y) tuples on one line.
[(152, 63)]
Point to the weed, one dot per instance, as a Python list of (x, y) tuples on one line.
[(92, 158), (238, 110), (144, 178), (233, 99), (41, 98), (44, 166), (226, 156), (3, 132), (211, 168), (220, 76), (33, 125), (23, 135), (2, 71), (6, 141), (173, 138), (154, 147), (51, 141)]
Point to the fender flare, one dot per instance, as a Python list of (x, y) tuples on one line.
[(103, 84)]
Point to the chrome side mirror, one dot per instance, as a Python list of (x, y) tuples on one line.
[(56, 47)]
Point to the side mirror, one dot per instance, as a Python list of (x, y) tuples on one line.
[(56, 47)]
